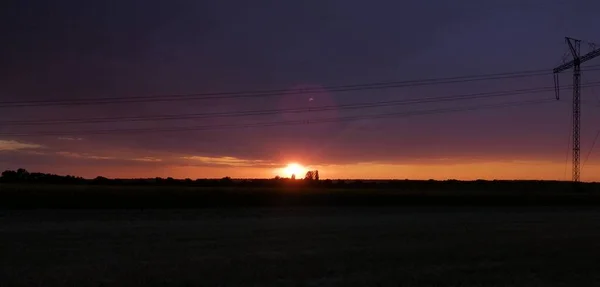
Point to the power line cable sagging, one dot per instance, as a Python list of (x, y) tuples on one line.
[(287, 123), (279, 92), (591, 148), (250, 113)]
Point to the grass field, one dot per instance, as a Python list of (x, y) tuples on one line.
[(87, 235), (30, 196), (303, 246)]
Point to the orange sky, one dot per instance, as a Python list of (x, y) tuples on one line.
[(486, 170), (135, 164), (489, 170)]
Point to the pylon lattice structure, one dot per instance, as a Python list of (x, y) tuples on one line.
[(575, 48)]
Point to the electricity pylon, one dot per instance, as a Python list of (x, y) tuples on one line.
[(574, 46)]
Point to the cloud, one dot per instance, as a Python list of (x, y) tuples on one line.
[(228, 161), (70, 139), (15, 145), (35, 152), (78, 155), (83, 155), (147, 159)]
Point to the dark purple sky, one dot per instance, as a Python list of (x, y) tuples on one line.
[(81, 49)]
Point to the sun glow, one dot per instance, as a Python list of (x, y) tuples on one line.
[(294, 169)]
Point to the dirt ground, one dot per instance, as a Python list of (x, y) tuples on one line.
[(391, 246)]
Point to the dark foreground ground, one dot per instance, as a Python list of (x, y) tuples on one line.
[(302, 246), (300, 194)]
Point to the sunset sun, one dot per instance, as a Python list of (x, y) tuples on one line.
[(294, 168)]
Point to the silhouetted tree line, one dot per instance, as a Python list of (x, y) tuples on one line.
[(312, 179), (23, 176)]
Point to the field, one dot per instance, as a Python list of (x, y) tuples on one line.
[(300, 244), (86, 196), (303, 246)]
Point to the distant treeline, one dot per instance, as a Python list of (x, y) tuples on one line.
[(21, 189), (25, 177)]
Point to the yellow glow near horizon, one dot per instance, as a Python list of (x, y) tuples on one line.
[(294, 168)]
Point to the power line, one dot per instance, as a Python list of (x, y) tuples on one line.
[(278, 92), (568, 148), (284, 123), (363, 105), (575, 64), (592, 148)]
